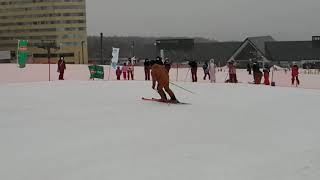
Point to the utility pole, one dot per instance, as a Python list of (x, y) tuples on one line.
[(48, 45), (101, 48)]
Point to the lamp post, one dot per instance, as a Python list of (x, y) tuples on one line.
[(82, 42), (101, 48)]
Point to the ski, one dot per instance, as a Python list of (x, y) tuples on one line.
[(160, 101)]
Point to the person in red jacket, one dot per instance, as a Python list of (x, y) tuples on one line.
[(232, 72), (266, 72), (61, 67), (118, 73), (295, 74)]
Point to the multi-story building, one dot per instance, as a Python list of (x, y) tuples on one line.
[(62, 21)]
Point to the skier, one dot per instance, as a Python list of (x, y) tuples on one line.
[(61, 67), (212, 71), (147, 69), (266, 72), (118, 73), (124, 71), (160, 77), (295, 74), (194, 67), (205, 68)]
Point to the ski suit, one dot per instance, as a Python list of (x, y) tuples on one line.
[(161, 77)]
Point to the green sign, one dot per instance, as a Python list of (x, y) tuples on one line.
[(96, 72), (22, 53)]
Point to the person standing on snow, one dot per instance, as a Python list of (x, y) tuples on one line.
[(147, 69), (266, 72), (212, 71), (124, 71), (118, 73), (205, 68), (130, 70), (160, 77), (232, 72), (249, 68), (194, 67), (257, 74), (167, 65), (61, 67), (295, 74)]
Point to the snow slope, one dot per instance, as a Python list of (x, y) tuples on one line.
[(80, 130)]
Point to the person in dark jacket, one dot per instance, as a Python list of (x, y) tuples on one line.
[(194, 67), (249, 68), (257, 74), (205, 68), (147, 69), (61, 67), (167, 65)]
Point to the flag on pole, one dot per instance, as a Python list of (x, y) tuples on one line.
[(115, 57), (22, 53), (96, 72)]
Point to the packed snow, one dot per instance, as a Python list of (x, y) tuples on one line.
[(80, 130)]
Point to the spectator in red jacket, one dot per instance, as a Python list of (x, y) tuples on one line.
[(295, 74), (266, 72), (124, 71), (130, 70), (118, 73), (232, 72), (61, 67)]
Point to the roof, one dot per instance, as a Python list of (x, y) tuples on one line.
[(220, 51), (291, 51), (259, 42)]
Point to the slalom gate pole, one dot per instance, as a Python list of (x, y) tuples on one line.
[(109, 72), (182, 88), (187, 75), (225, 79)]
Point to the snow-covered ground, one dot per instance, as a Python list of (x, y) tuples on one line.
[(80, 130)]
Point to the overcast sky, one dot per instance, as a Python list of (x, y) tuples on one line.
[(223, 20)]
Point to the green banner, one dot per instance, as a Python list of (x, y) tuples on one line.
[(96, 72), (22, 53)]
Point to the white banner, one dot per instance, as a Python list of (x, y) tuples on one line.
[(115, 57)]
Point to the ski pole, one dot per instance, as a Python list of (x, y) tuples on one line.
[(182, 88)]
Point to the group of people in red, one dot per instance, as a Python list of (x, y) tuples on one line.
[(257, 74), (127, 71)]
